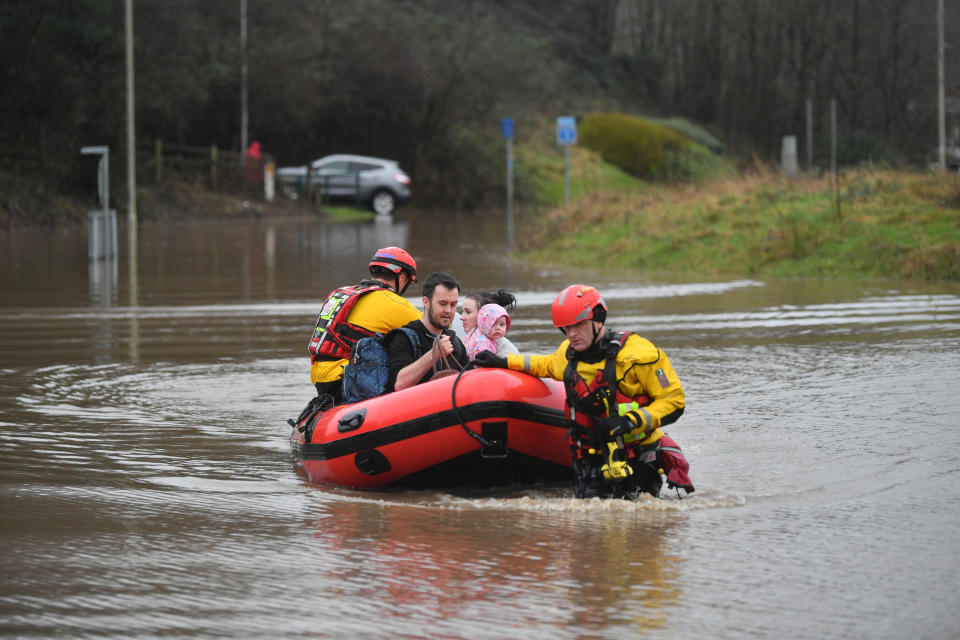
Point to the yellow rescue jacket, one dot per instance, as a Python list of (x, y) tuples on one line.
[(642, 369), (378, 312)]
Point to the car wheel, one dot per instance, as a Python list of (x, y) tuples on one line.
[(383, 202)]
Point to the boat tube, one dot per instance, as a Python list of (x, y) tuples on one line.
[(487, 426)]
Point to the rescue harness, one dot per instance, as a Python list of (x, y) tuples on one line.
[(334, 337), (598, 458), (602, 396)]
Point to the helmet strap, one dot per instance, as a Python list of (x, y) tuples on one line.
[(397, 288), (596, 332)]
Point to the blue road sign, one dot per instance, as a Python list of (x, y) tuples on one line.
[(506, 126), (566, 130)]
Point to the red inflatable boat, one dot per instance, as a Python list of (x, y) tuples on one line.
[(485, 426)]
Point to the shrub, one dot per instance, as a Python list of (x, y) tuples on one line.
[(637, 146), (649, 150), (692, 131)]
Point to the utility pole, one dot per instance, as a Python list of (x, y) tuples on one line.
[(941, 106), (244, 116), (131, 129)]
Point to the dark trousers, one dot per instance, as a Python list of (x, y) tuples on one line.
[(333, 389), (590, 483)]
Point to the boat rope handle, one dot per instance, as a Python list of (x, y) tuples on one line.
[(443, 358), (456, 409), (453, 391)]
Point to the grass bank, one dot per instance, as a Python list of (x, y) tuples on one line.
[(873, 223)]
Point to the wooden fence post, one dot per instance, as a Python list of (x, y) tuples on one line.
[(213, 167), (158, 159)]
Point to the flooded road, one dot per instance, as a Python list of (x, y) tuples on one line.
[(147, 487)]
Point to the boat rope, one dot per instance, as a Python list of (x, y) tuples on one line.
[(456, 409), (449, 364)]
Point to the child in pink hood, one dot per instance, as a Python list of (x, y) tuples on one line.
[(493, 322)]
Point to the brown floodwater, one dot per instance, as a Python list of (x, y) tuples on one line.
[(147, 486)]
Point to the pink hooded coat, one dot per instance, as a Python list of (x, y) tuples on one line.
[(477, 339)]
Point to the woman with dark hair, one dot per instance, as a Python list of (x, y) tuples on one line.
[(471, 307)]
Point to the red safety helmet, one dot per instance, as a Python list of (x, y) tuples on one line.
[(395, 259), (575, 303)]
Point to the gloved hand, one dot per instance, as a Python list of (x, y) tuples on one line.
[(617, 426), (490, 359)]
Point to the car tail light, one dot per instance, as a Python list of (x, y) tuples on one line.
[(402, 178)]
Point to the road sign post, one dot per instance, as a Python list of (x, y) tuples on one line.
[(102, 242), (566, 136), (506, 126)]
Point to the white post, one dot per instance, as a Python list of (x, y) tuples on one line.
[(788, 155), (268, 180)]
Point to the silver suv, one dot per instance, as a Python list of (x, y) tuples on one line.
[(374, 182)]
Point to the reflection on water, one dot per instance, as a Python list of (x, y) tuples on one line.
[(103, 281), (245, 258), (147, 487), (455, 579)]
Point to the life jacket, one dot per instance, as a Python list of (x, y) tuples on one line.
[(599, 398), (334, 337)]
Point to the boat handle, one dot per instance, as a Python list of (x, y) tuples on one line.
[(352, 420)]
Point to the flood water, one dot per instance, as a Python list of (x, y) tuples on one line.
[(147, 486)]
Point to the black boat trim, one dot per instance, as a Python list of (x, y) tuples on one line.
[(427, 424)]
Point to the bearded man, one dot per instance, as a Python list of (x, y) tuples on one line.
[(439, 345)]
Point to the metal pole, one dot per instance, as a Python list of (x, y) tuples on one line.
[(244, 116), (566, 174), (941, 108), (833, 137), (131, 137), (104, 177), (510, 192), (131, 173)]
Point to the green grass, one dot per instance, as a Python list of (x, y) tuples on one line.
[(541, 171), (345, 213), (540, 174), (876, 223)]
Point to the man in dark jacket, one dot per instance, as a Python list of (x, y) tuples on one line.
[(440, 348)]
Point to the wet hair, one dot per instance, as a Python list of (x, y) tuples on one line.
[(503, 298), (436, 278)]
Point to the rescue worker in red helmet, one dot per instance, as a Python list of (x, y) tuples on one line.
[(349, 313), (621, 389)]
